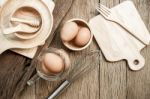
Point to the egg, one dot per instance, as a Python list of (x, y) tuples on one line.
[(52, 63), (45, 70), (69, 31), (82, 37), (65, 57)]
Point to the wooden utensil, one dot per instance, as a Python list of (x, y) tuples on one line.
[(112, 16), (8, 10), (25, 52), (30, 53), (34, 23), (21, 28), (115, 42)]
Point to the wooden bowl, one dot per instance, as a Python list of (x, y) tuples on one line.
[(72, 46), (27, 13), (11, 41)]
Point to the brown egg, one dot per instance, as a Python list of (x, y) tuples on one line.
[(53, 63), (66, 58), (45, 70), (69, 31), (82, 37)]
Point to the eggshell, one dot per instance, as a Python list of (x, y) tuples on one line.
[(53, 63), (82, 37), (45, 70), (69, 31), (65, 57)]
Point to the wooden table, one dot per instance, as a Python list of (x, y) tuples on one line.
[(107, 81)]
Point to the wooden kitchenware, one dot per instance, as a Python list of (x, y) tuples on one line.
[(34, 22), (111, 15), (26, 29), (115, 42), (72, 46), (45, 12), (26, 13)]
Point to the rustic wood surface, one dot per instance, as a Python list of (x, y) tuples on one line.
[(107, 81)]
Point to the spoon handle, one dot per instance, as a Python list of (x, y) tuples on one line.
[(11, 30)]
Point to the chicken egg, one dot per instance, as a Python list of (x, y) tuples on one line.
[(52, 63), (69, 31), (82, 37)]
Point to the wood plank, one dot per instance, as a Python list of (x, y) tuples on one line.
[(29, 92), (112, 75), (138, 82), (110, 81), (21, 83), (88, 86), (13, 67), (58, 15)]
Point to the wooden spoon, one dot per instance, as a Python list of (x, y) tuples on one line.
[(21, 28)]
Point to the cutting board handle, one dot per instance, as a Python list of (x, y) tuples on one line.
[(136, 63)]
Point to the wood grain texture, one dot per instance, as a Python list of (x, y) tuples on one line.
[(12, 69), (138, 83), (22, 83), (108, 81), (16, 69), (112, 75), (108, 33), (91, 81)]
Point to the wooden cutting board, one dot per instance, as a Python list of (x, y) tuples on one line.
[(115, 42)]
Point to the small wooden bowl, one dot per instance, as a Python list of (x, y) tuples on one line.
[(72, 46)]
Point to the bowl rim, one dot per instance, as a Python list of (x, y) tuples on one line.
[(91, 38)]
